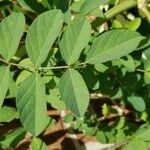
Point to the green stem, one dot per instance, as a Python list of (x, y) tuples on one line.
[(4, 61), (21, 67), (16, 65), (53, 68), (127, 4)]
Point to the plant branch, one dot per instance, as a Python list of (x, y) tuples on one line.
[(127, 4)]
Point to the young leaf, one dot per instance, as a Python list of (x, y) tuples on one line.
[(74, 92), (113, 44), (7, 114), (22, 76), (11, 30), (74, 40), (4, 82), (137, 102), (54, 99), (134, 24), (42, 34), (38, 144), (31, 104)]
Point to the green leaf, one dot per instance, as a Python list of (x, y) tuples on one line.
[(120, 135), (87, 73), (31, 104), (136, 144), (147, 71), (137, 103), (11, 30), (7, 114), (12, 89), (97, 13), (134, 24), (89, 5), (121, 123), (42, 34), (147, 77), (116, 24), (74, 40), (101, 137), (101, 68), (4, 82), (54, 99), (77, 5), (143, 133), (34, 5), (12, 139), (74, 92), (89, 130), (129, 63), (22, 76), (113, 44), (68, 118), (38, 144), (63, 5)]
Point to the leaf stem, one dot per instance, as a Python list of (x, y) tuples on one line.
[(16, 65), (21, 67), (127, 4), (4, 61), (53, 68), (32, 68)]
